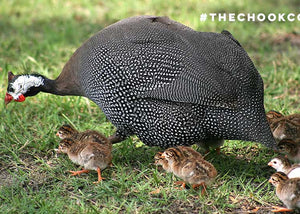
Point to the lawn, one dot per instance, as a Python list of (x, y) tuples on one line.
[(39, 36)]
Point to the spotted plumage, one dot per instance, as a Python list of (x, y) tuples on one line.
[(166, 83)]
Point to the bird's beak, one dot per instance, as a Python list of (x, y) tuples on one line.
[(163, 156), (8, 98), (269, 181), (270, 164), (57, 134)]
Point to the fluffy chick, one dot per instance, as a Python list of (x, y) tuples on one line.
[(192, 169), (287, 190), (67, 131), (282, 164), (287, 127), (159, 161), (89, 154), (273, 115), (291, 148)]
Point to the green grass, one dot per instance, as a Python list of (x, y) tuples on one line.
[(40, 36)]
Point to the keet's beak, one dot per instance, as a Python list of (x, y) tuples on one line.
[(8, 98), (270, 164), (57, 134)]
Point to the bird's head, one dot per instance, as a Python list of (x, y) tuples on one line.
[(66, 131), (65, 145), (277, 178), (279, 163), (22, 86), (287, 146)]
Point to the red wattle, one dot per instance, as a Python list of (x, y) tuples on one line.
[(21, 98), (8, 98)]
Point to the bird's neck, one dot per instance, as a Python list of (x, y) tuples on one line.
[(61, 87)]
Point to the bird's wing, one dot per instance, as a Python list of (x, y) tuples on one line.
[(198, 86), (182, 65), (87, 154), (165, 60)]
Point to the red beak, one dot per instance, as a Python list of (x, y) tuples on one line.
[(270, 164), (8, 98)]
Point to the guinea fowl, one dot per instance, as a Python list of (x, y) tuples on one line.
[(162, 81), (185, 150), (287, 190), (273, 115), (67, 131), (291, 148), (159, 161), (190, 167), (282, 164), (86, 153), (287, 127)]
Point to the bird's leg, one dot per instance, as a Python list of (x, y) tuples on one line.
[(203, 191), (195, 186), (218, 150), (100, 178), (255, 210), (182, 183), (79, 172), (280, 209), (115, 138)]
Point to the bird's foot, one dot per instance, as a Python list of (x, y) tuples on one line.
[(100, 178), (280, 209), (203, 191), (254, 210), (79, 172), (182, 183)]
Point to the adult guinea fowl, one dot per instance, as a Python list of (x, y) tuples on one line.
[(164, 82)]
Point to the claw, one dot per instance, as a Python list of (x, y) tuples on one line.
[(79, 172), (182, 183)]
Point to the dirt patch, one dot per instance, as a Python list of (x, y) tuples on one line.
[(6, 179)]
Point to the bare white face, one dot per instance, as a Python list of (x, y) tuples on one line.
[(22, 83)]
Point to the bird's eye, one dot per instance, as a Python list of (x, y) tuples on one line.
[(275, 162)]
